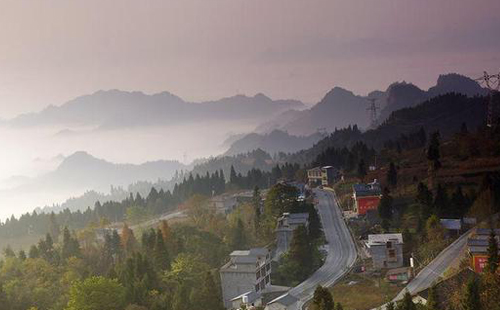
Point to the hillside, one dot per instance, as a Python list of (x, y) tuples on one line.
[(445, 113), (275, 142), (118, 109), (340, 107), (82, 173), (403, 95)]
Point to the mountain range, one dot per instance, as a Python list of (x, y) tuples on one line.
[(340, 107), (274, 142), (119, 109)]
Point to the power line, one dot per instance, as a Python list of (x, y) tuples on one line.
[(492, 82)]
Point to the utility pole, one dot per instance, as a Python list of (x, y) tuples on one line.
[(492, 82), (373, 112)]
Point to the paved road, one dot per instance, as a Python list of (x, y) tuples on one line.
[(165, 216), (341, 249), (435, 269)]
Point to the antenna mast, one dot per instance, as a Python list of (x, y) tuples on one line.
[(373, 112), (492, 82)]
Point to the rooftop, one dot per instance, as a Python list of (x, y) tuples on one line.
[(370, 189), (451, 224), (384, 238)]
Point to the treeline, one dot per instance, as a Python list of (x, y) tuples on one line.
[(171, 268), (344, 158), (410, 141), (156, 202)]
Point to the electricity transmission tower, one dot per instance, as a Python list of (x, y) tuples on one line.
[(492, 82), (373, 112)]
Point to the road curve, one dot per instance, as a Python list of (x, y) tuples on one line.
[(434, 270), (341, 249)]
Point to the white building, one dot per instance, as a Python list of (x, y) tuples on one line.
[(386, 250), (246, 272), (284, 230)]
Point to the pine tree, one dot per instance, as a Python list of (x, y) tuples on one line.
[(238, 239), (493, 258), (406, 303), (70, 246), (433, 153), (53, 226), (233, 178), (161, 257), (208, 294), (471, 296), (392, 175), (385, 206), (441, 201), (361, 169), (433, 299), (390, 306)]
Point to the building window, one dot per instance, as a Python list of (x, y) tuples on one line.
[(268, 266), (257, 274), (257, 288), (392, 253), (268, 279)]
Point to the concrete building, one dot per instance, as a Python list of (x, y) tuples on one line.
[(452, 226), (366, 196), (323, 176), (477, 247), (386, 250), (284, 230), (246, 272)]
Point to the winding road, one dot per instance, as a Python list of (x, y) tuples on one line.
[(341, 250)]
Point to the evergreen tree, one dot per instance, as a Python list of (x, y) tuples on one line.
[(433, 299), (256, 201), (390, 306), (392, 175), (33, 252), (441, 202), (53, 226), (233, 177), (433, 153), (161, 257), (322, 299), (361, 169), (70, 246), (22, 255), (208, 294), (385, 206), (471, 296), (238, 239), (406, 303), (493, 258)]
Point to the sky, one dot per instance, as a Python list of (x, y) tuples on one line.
[(54, 50)]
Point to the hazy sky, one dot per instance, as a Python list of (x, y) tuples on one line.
[(52, 51)]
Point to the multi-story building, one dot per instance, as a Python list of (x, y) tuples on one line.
[(246, 272), (366, 197), (284, 230), (324, 176), (477, 246), (386, 250)]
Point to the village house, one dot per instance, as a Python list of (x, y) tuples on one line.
[(477, 247), (323, 176), (246, 273), (386, 250), (284, 230), (366, 197)]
